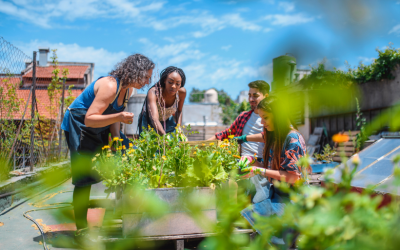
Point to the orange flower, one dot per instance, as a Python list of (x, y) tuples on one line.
[(236, 156), (339, 138)]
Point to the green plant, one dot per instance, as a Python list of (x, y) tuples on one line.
[(165, 161), (327, 155), (360, 123), (380, 68)]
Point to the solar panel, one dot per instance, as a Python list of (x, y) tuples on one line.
[(376, 165), (388, 187)]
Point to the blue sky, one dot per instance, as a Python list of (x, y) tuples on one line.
[(221, 44)]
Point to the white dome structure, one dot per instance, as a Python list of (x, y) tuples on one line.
[(211, 96)]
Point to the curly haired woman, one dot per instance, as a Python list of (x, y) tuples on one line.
[(95, 113)]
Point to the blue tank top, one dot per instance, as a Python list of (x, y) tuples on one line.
[(85, 99)]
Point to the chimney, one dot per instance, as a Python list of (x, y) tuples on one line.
[(43, 56)]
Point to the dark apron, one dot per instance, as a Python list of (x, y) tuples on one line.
[(84, 143)]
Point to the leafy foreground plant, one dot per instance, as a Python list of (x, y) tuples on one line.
[(165, 161), (334, 217)]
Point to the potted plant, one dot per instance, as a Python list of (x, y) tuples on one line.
[(170, 169), (324, 160)]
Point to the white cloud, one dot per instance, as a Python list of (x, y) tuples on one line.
[(46, 13), (286, 6), (207, 22), (286, 20), (42, 12), (171, 54), (104, 60), (395, 30), (226, 48), (366, 60), (204, 70)]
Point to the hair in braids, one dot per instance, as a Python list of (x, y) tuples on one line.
[(164, 74), (134, 68)]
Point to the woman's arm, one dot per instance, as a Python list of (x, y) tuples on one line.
[(152, 98), (255, 138), (281, 175), (182, 96), (274, 174), (105, 93)]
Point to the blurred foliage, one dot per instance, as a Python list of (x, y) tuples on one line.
[(319, 77), (196, 95), (334, 217), (327, 155), (164, 161)]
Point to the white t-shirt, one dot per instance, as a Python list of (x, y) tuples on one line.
[(253, 126)]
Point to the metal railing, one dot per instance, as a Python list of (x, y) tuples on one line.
[(30, 114)]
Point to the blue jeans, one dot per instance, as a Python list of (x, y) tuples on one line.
[(273, 205)]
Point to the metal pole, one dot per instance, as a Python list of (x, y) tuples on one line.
[(33, 109), (61, 117), (204, 128)]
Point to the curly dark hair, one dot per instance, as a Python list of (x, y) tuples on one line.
[(133, 69)]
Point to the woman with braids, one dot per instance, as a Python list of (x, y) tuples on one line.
[(95, 113), (162, 109), (284, 146)]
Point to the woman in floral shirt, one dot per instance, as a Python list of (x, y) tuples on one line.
[(284, 146)]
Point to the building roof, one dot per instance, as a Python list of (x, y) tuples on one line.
[(75, 71), (42, 98)]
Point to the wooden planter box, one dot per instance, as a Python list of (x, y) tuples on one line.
[(177, 222)]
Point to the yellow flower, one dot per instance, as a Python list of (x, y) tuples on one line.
[(94, 158), (212, 143), (226, 140), (154, 155), (229, 152), (183, 126), (121, 140), (231, 136), (123, 147), (203, 144), (164, 158), (195, 153), (106, 146), (130, 145), (115, 139), (119, 148), (123, 155)]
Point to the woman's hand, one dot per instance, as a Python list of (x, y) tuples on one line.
[(245, 161), (126, 117), (251, 171)]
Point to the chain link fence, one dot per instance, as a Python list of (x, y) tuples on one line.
[(31, 112)]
